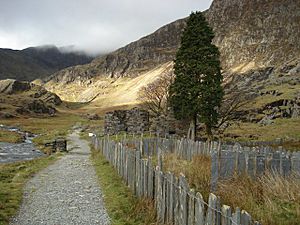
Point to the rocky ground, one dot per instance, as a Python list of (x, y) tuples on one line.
[(67, 192)]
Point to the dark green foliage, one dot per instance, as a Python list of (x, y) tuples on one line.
[(197, 90)]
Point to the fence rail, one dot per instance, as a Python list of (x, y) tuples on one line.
[(175, 202)]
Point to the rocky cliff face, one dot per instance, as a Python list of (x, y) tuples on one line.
[(130, 61), (251, 35), (256, 33)]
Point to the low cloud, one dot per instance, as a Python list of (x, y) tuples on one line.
[(91, 25)]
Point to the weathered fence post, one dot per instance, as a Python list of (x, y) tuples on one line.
[(191, 209), (137, 172), (245, 218), (214, 171), (199, 210), (226, 215), (212, 216), (236, 217), (159, 196), (183, 198), (171, 198)]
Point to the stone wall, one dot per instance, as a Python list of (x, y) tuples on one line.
[(168, 125), (131, 121)]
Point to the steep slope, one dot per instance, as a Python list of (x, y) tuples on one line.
[(256, 33), (37, 62), (130, 61), (251, 35)]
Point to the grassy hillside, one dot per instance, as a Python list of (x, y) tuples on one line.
[(32, 63)]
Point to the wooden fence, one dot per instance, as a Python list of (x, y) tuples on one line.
[(175, 202), (227, 160)]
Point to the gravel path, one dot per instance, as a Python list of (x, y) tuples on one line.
[(65, 193)]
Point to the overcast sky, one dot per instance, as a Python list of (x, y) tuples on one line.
[(91, 25)]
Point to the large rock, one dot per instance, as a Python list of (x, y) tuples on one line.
[(21, 97), (10, 86)]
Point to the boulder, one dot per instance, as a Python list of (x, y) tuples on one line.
[(10, 86)]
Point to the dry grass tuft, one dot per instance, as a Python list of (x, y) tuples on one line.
[(146, 207), (273, 200), (197, 171)]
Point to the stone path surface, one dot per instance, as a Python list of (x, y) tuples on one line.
[(65, 193)]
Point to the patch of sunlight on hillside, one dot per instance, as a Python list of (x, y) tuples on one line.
[(106, 92)]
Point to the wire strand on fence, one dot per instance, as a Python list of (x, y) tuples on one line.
[(178, 187)]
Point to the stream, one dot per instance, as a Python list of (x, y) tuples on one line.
[(10, 152)]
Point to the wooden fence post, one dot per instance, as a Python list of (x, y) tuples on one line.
[(214, 171), (236, 217), (176, 202), (199, 210), (191, 209), (137, 172), (226, 215), (183, 198), (150, 180), (245, 218), (212, 216), (171, 198), (159, 197)]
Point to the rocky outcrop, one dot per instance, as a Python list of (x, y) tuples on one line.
[(10, 86), (24, 98), (257, 33), (35, 106)]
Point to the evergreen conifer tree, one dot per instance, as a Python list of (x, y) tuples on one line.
[(196, 93)]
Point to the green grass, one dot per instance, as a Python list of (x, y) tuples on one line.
[(13, 177), (48, 128), (123, 208), (10, 137), (288, 130)]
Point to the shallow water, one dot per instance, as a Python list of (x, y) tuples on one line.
[(21, 151)]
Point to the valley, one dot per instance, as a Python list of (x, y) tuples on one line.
[(49, 93)]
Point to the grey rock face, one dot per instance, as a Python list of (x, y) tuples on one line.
[(10, 86), (264, 32), (260, 33), (139, 56)]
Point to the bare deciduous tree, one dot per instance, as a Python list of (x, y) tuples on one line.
[(155, 95), (233, 102)]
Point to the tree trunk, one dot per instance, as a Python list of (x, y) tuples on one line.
[(192, 129), (209, 133)]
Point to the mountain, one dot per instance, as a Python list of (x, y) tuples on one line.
[(37, 62), (258, 40)]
